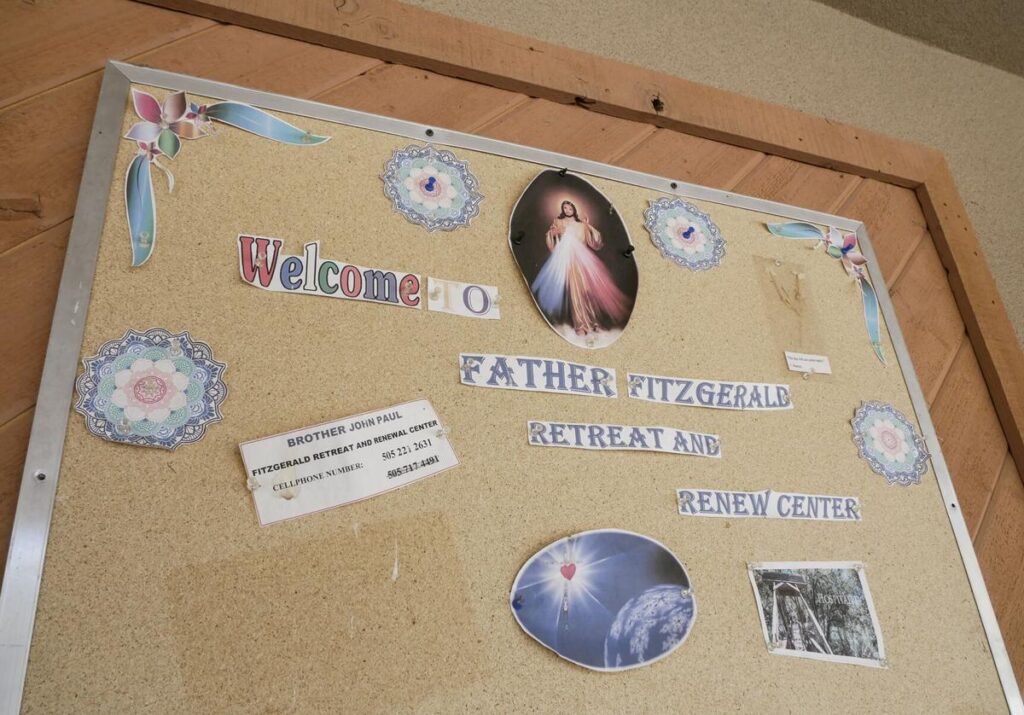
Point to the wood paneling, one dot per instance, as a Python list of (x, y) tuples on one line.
[(893, 218), (791, 182), (692, 159), (47, 43), (1000, 547), (569, 130), (30, 276), (968, 429), (928, 316), (425, 97)]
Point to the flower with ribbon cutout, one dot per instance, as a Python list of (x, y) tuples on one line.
[(431, 188), (153, 389), (842, 246), (159, 134), (684, 234), (888, 442)]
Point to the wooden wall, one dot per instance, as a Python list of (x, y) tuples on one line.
[(54, 51)]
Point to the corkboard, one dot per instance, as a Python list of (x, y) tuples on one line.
[(161, 592)]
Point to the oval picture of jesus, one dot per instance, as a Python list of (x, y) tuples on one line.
[(576, 257)]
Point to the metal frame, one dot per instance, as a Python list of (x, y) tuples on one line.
[(26, 557)]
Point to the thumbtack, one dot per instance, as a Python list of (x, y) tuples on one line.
[(590, 341), (175, 348), (441, 433), (635, 382), (517, 602), (470, 362), (628, 253), (562, 172), (686, 498), (518, 238), (807, 375), (606, 381), (252, 484), (778, 262), (685, 593), (536, 429), (435, 292)]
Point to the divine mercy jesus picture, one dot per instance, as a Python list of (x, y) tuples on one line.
[(576, 257)]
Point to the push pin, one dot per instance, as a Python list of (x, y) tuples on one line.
[(288, 494), (536, 429), (518, 238), (435, 292), (686, 498), (517, 602), (685, 593), (562, 171), (261, 260), (590, 341), (175, 348), (635, 382), (144, 238), (252, 484), (807, 375), (123, 425), (469, 363), (441, 433), (778, 262), (628, 253), (606, 381)]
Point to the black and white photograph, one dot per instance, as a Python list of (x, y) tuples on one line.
[(818, 609)]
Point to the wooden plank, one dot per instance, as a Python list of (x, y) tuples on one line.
[(13, 444), (894, 221), (412, 36), (568, 129), (424, 97), (1000, 549), (999, 353), (30, 276), (45, 44), (43, 140), (968, 429), (688, 158), (794, 183), (928, 317)]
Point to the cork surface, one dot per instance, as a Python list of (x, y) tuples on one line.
[(161, 593)]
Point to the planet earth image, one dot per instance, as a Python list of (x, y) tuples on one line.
[(649, 626), (607, 600)]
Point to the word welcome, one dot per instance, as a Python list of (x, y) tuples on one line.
[(517, 372), (261, 264), (624, 437), (767, 505), (709, 393)]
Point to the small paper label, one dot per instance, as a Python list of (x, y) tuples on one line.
[(804, 362), (709, 393), (470, 300), (767, 505), (625, 437), (517, 372), (336, 463)]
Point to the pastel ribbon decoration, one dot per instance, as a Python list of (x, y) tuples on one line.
[(159, 134), (843, 247)]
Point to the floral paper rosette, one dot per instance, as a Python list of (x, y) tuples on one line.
[(153, 389), (431, 187), (888, 442), (684, 233)]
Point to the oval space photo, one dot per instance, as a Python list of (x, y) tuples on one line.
[(607, 600), (576, 257)]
